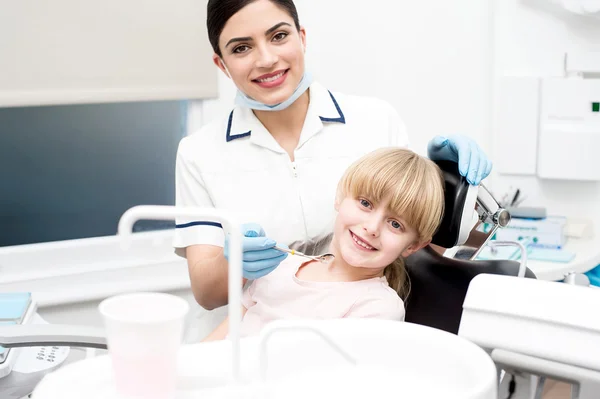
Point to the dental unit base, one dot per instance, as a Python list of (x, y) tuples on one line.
[(544, 328), (346, 358)]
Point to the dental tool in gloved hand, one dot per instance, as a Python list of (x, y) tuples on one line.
[(259, 256), (325, 258)]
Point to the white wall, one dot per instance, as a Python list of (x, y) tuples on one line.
[(530, 39), (434, 61), (429, 59)]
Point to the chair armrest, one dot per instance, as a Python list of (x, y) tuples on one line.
[(25, 335)]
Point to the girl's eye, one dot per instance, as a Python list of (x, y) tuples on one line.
[(280, 36), (240, 49), (365, 203), (396, 225)]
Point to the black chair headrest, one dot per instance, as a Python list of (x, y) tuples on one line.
[(456, 189)]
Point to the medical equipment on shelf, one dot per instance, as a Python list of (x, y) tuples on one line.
[(325, 258), (528, 212), (548, 232), (291, 359)]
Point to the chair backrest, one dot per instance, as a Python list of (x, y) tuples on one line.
[(439, 286)]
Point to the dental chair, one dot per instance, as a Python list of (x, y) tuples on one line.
[(438, 283), (533, 330)]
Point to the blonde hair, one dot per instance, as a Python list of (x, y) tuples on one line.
[(414, 186)]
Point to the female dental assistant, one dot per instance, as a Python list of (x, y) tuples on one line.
[(275, 160)]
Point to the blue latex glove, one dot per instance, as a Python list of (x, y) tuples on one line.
[(472, 161), (258, 257)]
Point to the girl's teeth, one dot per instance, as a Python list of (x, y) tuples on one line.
[(362, 244), (272, 78)]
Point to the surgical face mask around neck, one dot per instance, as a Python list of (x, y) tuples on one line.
[(243, 100)]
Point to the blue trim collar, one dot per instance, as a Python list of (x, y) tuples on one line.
[(340, 119), (229, 137)]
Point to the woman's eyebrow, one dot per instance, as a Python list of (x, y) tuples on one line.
[(238, 39), (249, 39), (274, 27)]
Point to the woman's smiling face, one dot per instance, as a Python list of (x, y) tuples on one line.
[(262, 52)]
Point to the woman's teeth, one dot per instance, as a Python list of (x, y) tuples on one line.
[(360, 242), (272, 78)]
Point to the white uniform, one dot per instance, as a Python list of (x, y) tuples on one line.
[(236, 165)]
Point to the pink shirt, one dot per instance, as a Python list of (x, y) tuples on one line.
[(281, 295)]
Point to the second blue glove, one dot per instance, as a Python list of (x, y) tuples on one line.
[(472, 161), (259, 257)]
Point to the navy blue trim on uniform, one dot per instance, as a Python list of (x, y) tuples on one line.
[(229, 137), (183, 226), (341, 118)]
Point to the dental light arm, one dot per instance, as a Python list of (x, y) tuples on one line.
[(490, 212)]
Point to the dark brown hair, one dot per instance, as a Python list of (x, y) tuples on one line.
[(218, 13)]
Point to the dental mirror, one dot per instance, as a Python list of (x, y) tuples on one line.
[(325, 258)]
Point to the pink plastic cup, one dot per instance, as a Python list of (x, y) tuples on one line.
[(144, 333)]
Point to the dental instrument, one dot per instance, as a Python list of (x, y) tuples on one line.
[(325, 258)]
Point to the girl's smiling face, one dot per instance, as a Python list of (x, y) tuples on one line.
[(368, 235)]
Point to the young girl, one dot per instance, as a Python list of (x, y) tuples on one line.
[(287, 136), (389, 204)]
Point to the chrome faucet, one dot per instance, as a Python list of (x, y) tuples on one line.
[(231, 227)]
